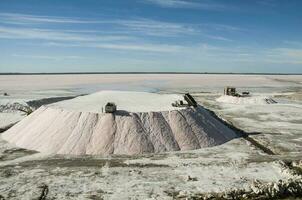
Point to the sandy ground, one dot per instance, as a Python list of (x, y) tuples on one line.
[(238, 164)]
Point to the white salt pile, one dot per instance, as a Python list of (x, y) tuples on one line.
[(246, 100), (147, 124)]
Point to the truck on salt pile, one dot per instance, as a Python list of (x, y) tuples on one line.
[(188, 98), (110, 107)]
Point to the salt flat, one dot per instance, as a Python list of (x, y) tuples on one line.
[(279, 125), (51, 82), (237, 164)]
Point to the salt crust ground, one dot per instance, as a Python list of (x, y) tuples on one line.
[(262, 100), (28, 82), (233, 164), (76, 126), (217, 169)]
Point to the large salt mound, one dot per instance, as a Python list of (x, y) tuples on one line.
[(246, 100), (147, 124)]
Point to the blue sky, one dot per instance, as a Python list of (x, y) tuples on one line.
[(151, 35)]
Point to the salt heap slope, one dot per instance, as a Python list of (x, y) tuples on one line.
[(144, 123)]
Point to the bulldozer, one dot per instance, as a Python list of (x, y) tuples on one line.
[(110, 107), (230, 91)]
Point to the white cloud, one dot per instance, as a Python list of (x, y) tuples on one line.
[(138, 26), (27, 19), (221, 38), (140, 47), (158, 28), (209, 5), (287, 55), (174, 3), (223, 27), (233, 54), (145, 26), (57, 35), (201, 52), (47, 57)]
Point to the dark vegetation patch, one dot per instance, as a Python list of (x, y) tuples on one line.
[(86, 162), (7, 172), (291, 189), (294, 166), (38, 103), (44, 192), (11, 154), (2, 129)]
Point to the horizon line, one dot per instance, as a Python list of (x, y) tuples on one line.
[(223, 73)]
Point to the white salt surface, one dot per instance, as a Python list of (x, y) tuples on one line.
[(245, 100), (7, 119), (77, 127), (9, 113), (125, 100), (29, 82)]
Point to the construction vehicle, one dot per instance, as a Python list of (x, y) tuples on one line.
[(110, 107), (26, 110), (191, 101), (188, 98), (179, 103), (245, 94), (230, 91)]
